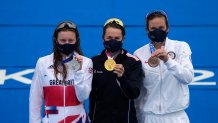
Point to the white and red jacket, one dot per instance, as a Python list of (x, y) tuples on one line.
[(63, 101), (165, 87)]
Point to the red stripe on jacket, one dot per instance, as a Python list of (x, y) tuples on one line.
[(54, 96), (69, 119)]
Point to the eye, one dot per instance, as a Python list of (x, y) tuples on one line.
[(161, 27), (71, 41), (62, 40), (153, 28), (108, 37), (118, 38)]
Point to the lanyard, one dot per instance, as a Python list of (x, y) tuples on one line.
[(108, 55), (67, 60), (152, 49)]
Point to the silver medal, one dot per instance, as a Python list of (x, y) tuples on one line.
[(73, 65)]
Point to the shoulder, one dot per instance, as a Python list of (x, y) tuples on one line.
[(87, 61), (45, 59), (86, 58), (96, 57), (181, 46), (132, 56), (178, 42), (132, 60)]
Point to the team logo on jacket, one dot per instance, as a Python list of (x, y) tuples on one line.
[(171, 54), (98, 71), (90, 70)]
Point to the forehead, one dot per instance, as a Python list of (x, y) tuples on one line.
[(63, 34), (157, 21), (111, 31)]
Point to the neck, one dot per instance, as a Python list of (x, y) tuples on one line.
[(158, 45), (114, 54), (64, 56)]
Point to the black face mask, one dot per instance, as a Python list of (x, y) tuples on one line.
[(113, 45), (67, 48), (157, 35)]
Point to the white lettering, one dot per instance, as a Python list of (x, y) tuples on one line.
[(2, 76), (204, 75), (16, 76)]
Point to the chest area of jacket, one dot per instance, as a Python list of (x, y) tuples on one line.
[(49, 79), (103, 78)]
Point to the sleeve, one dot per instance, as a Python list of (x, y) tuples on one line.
[(92, 100), (83, 80), (183, 68), (92, 96), (130, 83), (36, 96)]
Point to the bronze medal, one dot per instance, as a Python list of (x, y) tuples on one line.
[(153, 61), (109, 64)]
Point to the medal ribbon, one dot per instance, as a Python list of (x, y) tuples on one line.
[(108, 55), (68, 59), (152, 49)]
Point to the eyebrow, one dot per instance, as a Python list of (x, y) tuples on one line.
[(113, 37), (157, 27)]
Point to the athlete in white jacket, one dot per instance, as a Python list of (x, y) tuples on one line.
[(62, 81), (165, 94)]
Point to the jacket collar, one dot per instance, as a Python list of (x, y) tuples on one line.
[(120, 57)]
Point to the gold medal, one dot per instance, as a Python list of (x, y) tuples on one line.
[(153, 61), (109, 64)]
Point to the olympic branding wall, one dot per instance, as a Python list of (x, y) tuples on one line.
[(26, 29)]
